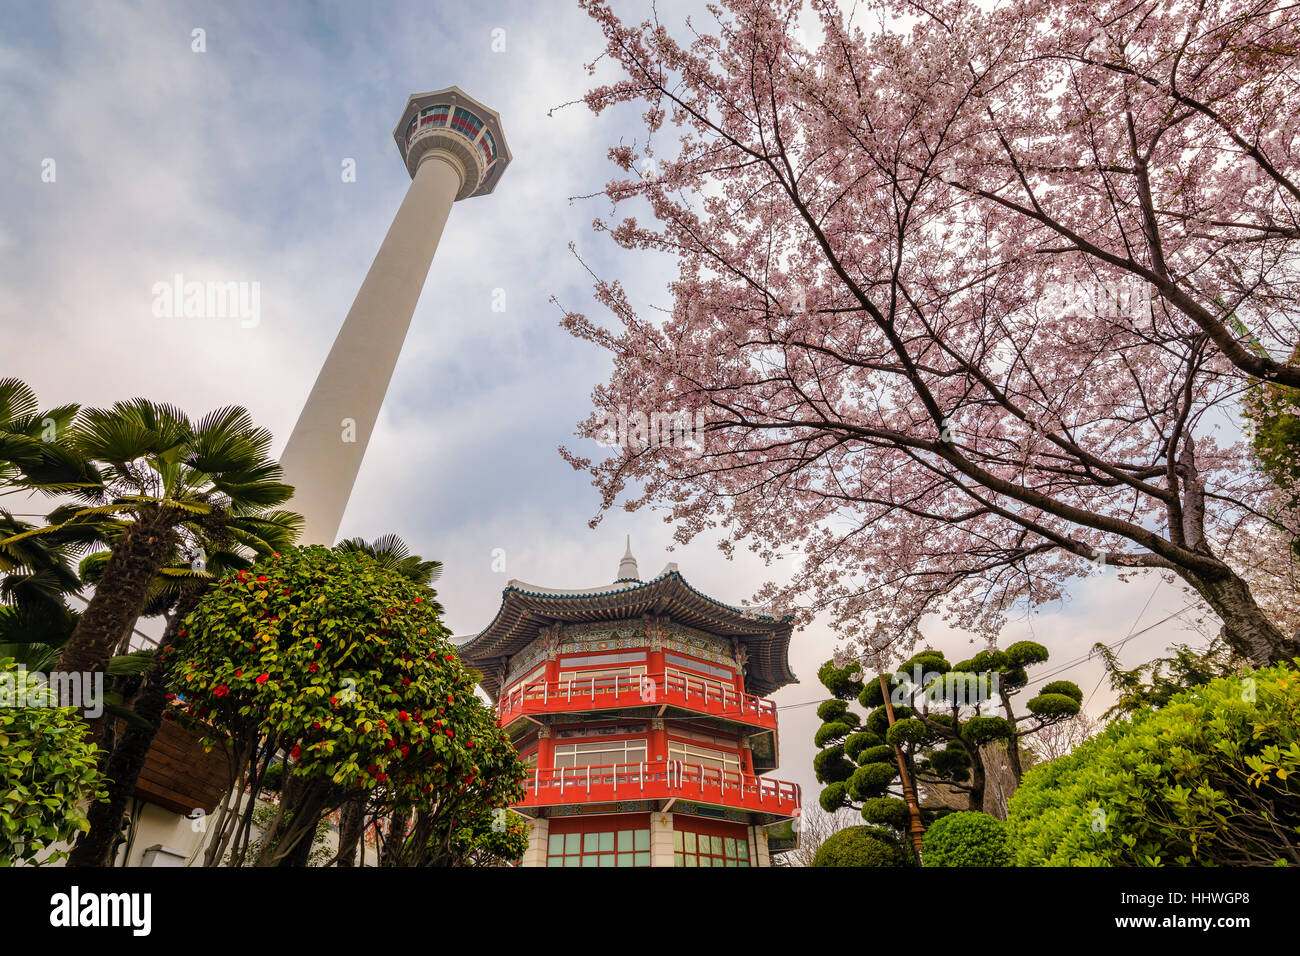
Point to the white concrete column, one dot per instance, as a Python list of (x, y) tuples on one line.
[(538, 839), (661, 839), (324, 453)]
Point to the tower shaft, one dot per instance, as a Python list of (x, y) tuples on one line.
[(327, 445)]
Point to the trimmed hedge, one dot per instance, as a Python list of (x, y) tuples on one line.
[(861, 846), (966, 838)]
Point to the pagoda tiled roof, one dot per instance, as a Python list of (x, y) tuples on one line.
[(526, 609)]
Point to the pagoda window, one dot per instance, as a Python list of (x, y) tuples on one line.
[(691, 848), (706, 757), (726, 674), (600, 753), (630, 847)]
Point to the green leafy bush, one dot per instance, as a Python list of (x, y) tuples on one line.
[(831, 766), (1212, 778), (861, 846), (48, 768), (1053, 705), (860, 741), (966, 838), (835, 730), (871, 780), (832, 710), (886, 811), (832, 797)]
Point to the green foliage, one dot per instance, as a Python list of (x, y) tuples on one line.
[(1211, 778), (872, 695), (1068, 688), (861, 846), (830, 765), (833, 797), (346, 665), (48, 767), (928, 660), (882, 754), (859, 742), (981, 730), (1273, 412), (1155, 683), (878, 719), (843, 682), (871, 780), (831, 710), (1025, 653), (886, 811), (827, 733), (966, 838), (1053, 705), (910, 731)]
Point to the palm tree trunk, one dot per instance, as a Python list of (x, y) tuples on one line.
[(96, 846), (121, 592)]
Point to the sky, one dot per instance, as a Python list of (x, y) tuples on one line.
[(128, 156)]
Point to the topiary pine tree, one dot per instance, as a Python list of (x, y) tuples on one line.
[(943, 714)]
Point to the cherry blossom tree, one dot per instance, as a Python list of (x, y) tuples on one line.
[(962, 295)]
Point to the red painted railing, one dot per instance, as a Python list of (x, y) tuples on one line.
[(661, 780), (600, 693)]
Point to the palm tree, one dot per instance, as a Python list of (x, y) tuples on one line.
[(172, 594), (392, 553), (163, 481), (35, 572)]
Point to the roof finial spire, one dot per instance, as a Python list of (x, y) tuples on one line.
[(627, 567)]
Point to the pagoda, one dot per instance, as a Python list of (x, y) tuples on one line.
[(641, 711)]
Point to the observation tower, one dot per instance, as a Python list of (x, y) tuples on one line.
[(454, 149)]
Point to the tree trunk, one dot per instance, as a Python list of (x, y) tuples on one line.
[(351, 827), (1246, 628), (395, 841), (128, 757), (121, 592)]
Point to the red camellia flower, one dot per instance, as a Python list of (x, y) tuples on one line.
[(450, 733), (469, 744), (296, 752), (419, 600), (313, 668), (262, 678), (403, 716), (261, 577), (390, 745), (317, 645), (221, 691), (239, 673), (381, 777), (450, 657), (383, 723), (406, 751), (406, 682), (315, 724), (334, 701), (286, 592)]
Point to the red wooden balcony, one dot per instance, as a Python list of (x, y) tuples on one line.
[(662, 780), (609, 693)]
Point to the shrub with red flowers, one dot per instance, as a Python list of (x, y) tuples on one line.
[(343, 668)]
